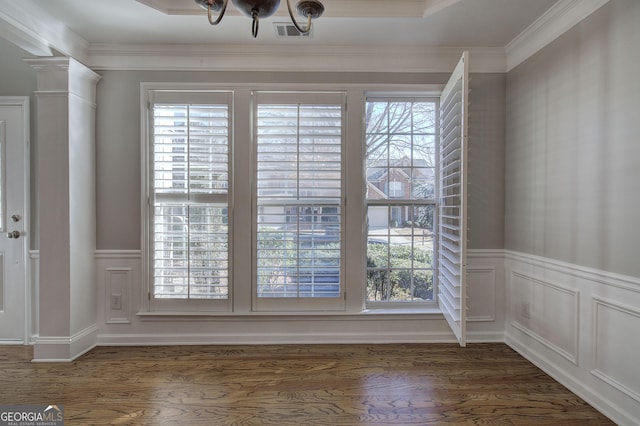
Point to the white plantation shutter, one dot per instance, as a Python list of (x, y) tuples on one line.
[(189, 198), (452, 229), (299, 200)]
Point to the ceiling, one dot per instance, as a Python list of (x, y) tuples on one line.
[(487, 23), (401, 36)]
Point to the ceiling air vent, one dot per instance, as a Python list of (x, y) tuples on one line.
[(288, 30)]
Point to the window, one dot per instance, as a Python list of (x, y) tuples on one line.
[(188, 157), (400, 193), (260, 179), (299, 138), (396, 189)]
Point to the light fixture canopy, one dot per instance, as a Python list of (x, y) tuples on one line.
[(257, 9)]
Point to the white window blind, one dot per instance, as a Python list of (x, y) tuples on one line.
[(299, 195), (452, 229), (189, 199)]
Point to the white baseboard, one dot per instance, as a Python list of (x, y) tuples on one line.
[(270, 339), (485, 337), (65, 349)]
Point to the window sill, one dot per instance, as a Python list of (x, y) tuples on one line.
[(365, 315), (402, 311)]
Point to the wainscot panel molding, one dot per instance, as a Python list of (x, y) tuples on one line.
[(118, 254), (615, 351), (547, 313), (485, 292), (119, 285), (580, 326), (482, 293)]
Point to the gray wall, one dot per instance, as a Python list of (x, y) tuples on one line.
[(16, 77), (486, 161), (118, 145), (573, 145), (118, 140)]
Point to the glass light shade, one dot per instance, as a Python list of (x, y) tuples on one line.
[(264, 8)]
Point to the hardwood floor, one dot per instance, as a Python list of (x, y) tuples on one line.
[(408, 384)]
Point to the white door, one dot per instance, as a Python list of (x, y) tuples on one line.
[(14, 166)]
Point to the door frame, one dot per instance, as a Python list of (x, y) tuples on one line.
[(29, 289)]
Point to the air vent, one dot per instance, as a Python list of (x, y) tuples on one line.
[(288, 30)]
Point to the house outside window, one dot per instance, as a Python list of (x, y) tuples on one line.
[(396, 189)]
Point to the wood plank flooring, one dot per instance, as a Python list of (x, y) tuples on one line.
[(406, 384)]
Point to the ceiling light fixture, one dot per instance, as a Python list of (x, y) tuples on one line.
[(257, 9)]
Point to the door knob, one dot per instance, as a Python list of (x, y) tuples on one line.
[(14, 234), (15, 218)]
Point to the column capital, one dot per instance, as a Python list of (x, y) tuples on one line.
[(64, 74)]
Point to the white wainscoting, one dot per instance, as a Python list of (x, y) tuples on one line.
[(119, 273), (580, 325), (485, 295)]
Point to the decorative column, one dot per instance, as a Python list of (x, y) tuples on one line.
[(65, 176)]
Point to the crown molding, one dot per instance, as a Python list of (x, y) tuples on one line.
[(434, 6), (22, 37), (333, 8), (291, 58), (28, 27), (561, 17)]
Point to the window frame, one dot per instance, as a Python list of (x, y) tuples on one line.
[(242, 207), (161, 96), (303, 304), (411, 202)]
